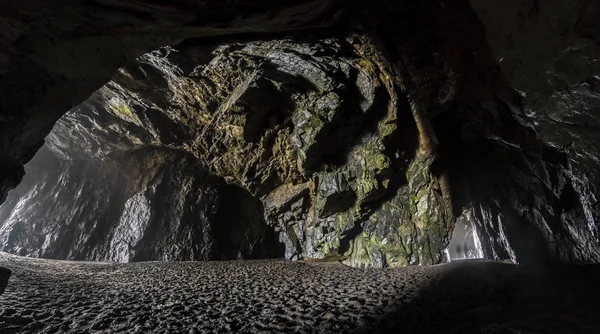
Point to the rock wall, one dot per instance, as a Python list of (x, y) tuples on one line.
[(150, 205), (53, 57), (363, 141), (548, 52), (311, 128)]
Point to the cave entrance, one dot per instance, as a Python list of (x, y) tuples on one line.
[(171, 159), (98, 190), (465, 239)]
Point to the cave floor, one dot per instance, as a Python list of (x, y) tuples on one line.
[(277, 296)]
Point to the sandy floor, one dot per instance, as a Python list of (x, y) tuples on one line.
[(46, 296)]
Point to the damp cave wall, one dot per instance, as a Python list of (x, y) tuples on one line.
[(454, 114), (151, 204), (313, 137)]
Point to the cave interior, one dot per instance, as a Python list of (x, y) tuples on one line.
[(391, 137)]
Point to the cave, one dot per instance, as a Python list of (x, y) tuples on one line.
[(303, 166)]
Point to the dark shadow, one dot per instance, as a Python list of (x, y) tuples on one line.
[(4, 277), (306, 35), (401, 147), (339, 202), (479, 169), (486, 297), (503, 181), (349, 235), (243, 226)]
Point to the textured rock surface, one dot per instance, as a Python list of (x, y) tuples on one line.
[(363, 141), (528, 204), (548, 51), (282, 296), (53, 57), (309, 128), (465, 242), (151, 205)]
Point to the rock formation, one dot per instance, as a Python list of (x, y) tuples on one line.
[(345, 131), (548, 52), (150, 205), (318, 139)]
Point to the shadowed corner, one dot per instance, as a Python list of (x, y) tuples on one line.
[(4, 276), (476, 296)]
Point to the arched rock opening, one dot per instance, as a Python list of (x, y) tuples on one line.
[(364, 140)]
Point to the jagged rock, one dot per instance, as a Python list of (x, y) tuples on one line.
[(333, 195), (53, 57), (553, 194), (363, 142), (4, 277), (150, 205), (311, 135)]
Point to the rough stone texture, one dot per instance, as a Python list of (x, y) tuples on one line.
[(548, 51), (528, 202), (308, 127), (53, 56), (150, 205), (282, 296), (465, 242), (363, 141)]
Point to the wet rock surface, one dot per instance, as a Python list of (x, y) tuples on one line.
[(150, 205), (54, 57), (307, 127), (363, 141), (282, 296), (548, 52)]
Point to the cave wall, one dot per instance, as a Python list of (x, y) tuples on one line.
[(52, 57), (148, 205), (311, 128), (529, 203), (363, 141), (548, 52)]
